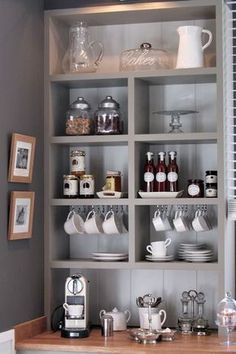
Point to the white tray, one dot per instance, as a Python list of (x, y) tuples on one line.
[(109, 194), (160, 194)]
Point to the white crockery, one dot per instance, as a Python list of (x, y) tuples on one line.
[(161, 222), (159, 248), (74, 310), (180, 222), (74, 224), (157, 321), (93, 223), (199, 222), (120, 319), (112, 223)]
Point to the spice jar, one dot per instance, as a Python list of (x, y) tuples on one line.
[(211, 190), (211, 177), (87, 186), (195, 188), (108, 118), (77, 163), (70, 186), (113, 181), (78, 118)]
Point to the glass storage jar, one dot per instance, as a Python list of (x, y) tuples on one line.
[(144, 58), (78, 118), (108, 118)]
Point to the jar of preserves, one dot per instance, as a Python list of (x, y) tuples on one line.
[(77, 165), (195, 188), (108, 118), (70, 186), (211, 190), (78, 118), (211, 177), (113, 181), (87, 186)]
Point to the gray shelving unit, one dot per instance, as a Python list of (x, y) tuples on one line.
[(200, 147)]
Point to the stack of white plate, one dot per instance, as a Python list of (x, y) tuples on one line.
[(100, 256), (194, 252), (153, 258), (232, 209)]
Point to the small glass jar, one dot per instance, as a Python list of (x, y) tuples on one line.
[(211, 177), (87, 186), (70, 186), (113, 181), (78, 118), (108, 118), (211, 190), (77, 163), (195, 188)]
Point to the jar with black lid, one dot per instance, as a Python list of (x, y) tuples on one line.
[(211, 177), (211, 190), (195, 188)]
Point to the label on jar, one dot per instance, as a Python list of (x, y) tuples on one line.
[(193, 190), (70, 187), (211, 179), (211, 192), (77, 164), (172, 176), (148, 176), (87, 187), (160, 177)]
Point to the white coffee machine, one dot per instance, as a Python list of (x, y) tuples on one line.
[(76, 307)]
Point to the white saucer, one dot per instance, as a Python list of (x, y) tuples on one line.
[(101, 254), (162, 259), (106, 259)]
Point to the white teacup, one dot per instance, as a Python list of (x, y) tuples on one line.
[(180, 222), (199, 222), (112, 223), (159, 248), (74, 224), (157, 321), (93, 223), (161, 222), (73, 310)]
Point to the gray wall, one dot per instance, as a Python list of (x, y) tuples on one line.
[(21, 102)]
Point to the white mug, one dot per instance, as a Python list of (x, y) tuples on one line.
[(112, 223), (199, 222), (159, 248), (74, 224), (93, 223), (156, 323), (161, 223), (74, 310), (179, 222)]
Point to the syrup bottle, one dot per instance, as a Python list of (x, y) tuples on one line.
[(160, 181), (172, 173), (149, 173)]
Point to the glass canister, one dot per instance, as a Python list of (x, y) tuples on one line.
[(78, 118), (108, 118), (77, 163)]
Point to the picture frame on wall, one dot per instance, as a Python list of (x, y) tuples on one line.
[(21, 215), (21, 158)]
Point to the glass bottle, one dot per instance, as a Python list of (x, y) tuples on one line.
[(160, 180), (80, 56), (172, 173), (149, 173)]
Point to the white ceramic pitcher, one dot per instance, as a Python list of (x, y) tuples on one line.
[(190, 52)]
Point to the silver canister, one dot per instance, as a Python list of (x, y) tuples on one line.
[(107, 325)]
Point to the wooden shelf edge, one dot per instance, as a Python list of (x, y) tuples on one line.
[(30, 329)]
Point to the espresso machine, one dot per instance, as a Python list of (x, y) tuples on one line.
[(76, 307)]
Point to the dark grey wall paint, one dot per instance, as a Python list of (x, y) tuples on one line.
[(21, 110)]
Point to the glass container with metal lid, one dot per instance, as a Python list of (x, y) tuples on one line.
[(108, 117), (78, 118)]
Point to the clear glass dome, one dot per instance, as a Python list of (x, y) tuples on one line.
[(226, 312)]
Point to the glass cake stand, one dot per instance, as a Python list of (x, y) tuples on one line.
[(175, 114)]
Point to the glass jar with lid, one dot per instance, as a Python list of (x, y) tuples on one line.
[(108, 117), (78, 118)]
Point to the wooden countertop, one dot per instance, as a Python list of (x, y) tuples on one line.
[(120, 343)]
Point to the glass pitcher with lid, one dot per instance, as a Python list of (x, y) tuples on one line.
[(81, 56)]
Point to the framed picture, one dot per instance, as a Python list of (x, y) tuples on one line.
[(21, 215), (21, 158)]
